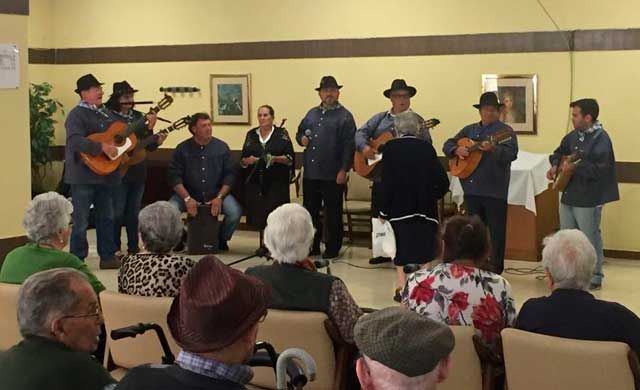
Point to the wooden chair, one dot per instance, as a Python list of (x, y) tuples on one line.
[(357, 206), (535, 361), (316, 334), (120, 310), (9, 331)]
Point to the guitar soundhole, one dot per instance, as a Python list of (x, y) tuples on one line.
[(118, 139)]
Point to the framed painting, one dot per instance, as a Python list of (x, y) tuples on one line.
[(230, 98), (519, 94)]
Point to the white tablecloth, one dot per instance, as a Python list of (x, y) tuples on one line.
[(528, 179)]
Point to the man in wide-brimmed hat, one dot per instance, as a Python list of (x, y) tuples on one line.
[(327, 133), (215, 320), (400, 94), (128, 194), (486, 189), (87, 188)]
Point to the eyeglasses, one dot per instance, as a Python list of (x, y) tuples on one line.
[(95, 315)]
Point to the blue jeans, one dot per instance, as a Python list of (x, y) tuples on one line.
[(587, 219), (126, 207), (230, 208), (101, 197)]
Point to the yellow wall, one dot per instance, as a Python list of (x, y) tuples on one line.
[(447, 85), (15, 160)]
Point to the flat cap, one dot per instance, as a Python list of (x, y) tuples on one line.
[(403, 340)]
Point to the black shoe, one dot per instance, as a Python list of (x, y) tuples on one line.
[(397, 296), (330, 254), (222, 245), (180, 247), (112, 263), (263, 252), (379, 260), (595, 286), (315, 252)]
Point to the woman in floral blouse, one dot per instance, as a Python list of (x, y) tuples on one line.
[(458, 291)]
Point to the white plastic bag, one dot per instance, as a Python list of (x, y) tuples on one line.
[(383, 240)]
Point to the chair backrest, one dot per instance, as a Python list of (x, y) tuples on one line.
[(306, 330), (466, 372), (9, 331), (120, 310), (535, 361), (358, 187)]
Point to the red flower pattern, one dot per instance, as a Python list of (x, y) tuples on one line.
[(423, 291), (459, 302), (487, 318), (458, 271)]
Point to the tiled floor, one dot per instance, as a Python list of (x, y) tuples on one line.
[(373, 287)]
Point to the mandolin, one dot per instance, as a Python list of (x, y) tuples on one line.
[(463, 168), (368, 168), (121, 135), (139, 154), (563, 178)]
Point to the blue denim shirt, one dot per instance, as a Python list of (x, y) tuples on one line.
[(331, 143), (491, 177), (202, 169), (82, 121)]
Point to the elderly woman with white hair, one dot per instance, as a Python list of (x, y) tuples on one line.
[(155, 271), (295, 283), (47, 222), (412, 182), (571, 311)]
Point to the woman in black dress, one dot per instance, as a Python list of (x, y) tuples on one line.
[(267, 157), (412, 182)]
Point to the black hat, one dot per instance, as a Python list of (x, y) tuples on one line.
[(489, 99), (87, 81), (400, 84), (122, 88), (328, 82)]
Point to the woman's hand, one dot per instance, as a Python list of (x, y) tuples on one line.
[(249, 160)]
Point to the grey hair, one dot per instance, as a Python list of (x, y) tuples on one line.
[(384, 377), (570, 259), (160, 227), (45, 296), (407, 123), (289, 233), (46, 215)]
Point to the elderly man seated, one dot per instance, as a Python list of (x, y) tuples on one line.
[(60, 320), (293, 278), (215, 320), (402, 350), (570, 311)]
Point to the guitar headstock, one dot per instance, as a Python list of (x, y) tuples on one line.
[(430, 123), (163, 103), (180, 123)]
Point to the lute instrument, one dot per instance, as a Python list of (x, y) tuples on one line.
[(369, 168), (139, 154), (463, 168), (122, 136)]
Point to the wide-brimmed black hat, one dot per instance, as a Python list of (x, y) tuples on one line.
[(87, 81), (328, 82), (122, 88), (400, 84), (489, 99)]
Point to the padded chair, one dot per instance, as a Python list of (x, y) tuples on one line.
[(535, 361), (466, 372), (316, 334), (120, 310), (357, 205), (9, 331)]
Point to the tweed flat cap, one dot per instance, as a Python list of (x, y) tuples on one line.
[(403, 340)]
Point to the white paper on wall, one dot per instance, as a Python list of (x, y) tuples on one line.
[(9, 65)]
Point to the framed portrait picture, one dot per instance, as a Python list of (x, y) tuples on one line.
[(230, 98), (519, 94)]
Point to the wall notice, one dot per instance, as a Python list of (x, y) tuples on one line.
[(9, 65)]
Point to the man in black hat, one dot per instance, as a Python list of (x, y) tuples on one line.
[(327, 133), (88, 117), (400, 95), (128, 194), (486, 189)]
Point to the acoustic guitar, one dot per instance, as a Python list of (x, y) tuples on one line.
[(563, 178), (139, 154), (463, 168), (119, 134), (368, 168)]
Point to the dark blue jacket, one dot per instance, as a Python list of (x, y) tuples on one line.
[(332, 142), (491, 177), (594, 181)]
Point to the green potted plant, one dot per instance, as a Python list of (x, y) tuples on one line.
[(42, 109)]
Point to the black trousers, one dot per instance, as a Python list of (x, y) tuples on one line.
[(493, 212), (327, 193)]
